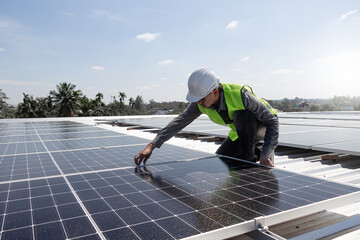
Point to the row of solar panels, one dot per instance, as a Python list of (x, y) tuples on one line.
[(81, 183), (325, 132)]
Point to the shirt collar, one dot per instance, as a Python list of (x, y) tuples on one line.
[(222, 104)]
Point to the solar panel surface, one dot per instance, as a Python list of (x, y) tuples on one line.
[(309, 131), (89, 189)]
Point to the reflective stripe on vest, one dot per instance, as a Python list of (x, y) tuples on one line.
[(233, 100)]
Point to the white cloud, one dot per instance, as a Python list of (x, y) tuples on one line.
[(4, 24), (2, 49), (245, 59), (148, 37), (147, 88), (98, 13), (232, 25), (9, 25), (163, 78), (166, 62), (97, 68), (237, 69), (345, 15), (327, 59), (182, 84), (343, 58), (340, 72), (284, 71), (19, 83)]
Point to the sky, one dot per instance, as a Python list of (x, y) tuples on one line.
[(282, 49)]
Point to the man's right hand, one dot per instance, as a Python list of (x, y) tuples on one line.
[(145, 154), (265, 160)]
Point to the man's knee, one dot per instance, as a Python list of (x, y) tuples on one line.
[(228, 148)]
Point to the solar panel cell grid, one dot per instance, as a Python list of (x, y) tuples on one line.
[(61, 194), (19, 167), (19, 138), (59, 145), (21, 148), (26, 206), (144, 207), (309, 130), (59, 130), (108, 158), (72, 135)]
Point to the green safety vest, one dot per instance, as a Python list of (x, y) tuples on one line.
[(233, 100)]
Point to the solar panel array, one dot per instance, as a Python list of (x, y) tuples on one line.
[(324, 132), (65, 180)]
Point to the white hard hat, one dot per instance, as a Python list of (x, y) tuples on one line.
[(201, 82)]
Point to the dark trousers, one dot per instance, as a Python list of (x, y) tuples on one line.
[(250, 131)]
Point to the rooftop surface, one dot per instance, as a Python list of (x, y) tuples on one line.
[(339, 167)]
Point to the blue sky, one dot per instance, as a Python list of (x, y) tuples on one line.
[(299, 48)]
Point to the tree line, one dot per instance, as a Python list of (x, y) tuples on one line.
[(67, 101), (337, 103)]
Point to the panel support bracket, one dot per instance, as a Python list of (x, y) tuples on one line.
[(262, 231)]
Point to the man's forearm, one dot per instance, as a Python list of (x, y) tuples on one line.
[(176, 125)]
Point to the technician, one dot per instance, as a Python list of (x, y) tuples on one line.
[(251, 119)]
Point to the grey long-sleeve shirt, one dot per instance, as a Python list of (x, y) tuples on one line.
[(251, 104)]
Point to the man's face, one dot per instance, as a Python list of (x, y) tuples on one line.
[(209, 99)]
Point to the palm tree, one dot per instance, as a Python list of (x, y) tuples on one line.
[(2, 95), (27, 109), (86, 106), (99, 105), (44, 107), (131, 103), (139, 103), (98, 98), (66, 98), (2, 102), (122, 97)]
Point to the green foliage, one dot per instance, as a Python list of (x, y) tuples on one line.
[(27, 109), (3, 104), (139, 103), (45, 107), (66, 101), (314, 108), (338, 103)]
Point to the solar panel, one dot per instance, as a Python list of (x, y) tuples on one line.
[(70, 144), (21, 148), (88, 188), (18, 138), (349, 147), (116, 157), (24, 166), (335, 115), (322, 123), (309, 131)]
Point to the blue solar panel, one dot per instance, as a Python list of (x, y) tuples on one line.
[(89, 188), (302, 130)]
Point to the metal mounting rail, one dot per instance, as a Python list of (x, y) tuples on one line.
[(257, 223)]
